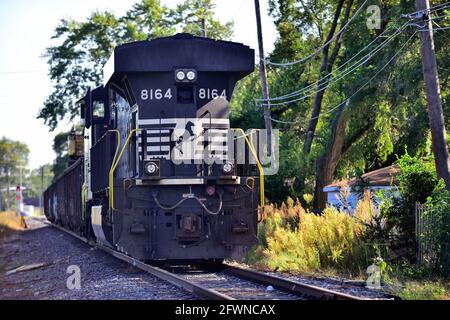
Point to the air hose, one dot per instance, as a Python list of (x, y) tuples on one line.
[(191, 196)]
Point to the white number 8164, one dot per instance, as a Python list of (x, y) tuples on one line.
[(211, 93), (156, 94)]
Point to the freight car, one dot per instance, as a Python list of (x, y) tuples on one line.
[(160, 176)]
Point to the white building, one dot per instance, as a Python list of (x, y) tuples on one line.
[(346, 193)]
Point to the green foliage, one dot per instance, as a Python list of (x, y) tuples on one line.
[(417, 282), (62, 158), (428, 290), (189, 13), (417, 179), (82, 48), (438, 234), (418, 184), (13, 156), (38, 177), (388, 115), (405, 271), (76, 62)]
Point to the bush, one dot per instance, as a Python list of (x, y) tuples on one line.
[(439, 207), (292, 239), (416, 182), (10, 222)]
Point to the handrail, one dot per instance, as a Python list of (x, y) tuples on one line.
[(110, 176), (82, 200), (113, 168), (258, 164)]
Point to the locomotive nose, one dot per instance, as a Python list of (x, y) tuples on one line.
[(159, 175)]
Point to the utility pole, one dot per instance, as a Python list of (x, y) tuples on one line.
[(20, 177), (42, 188), (8, 186), (433, 92), (202, 21), (263, 77), (203, 28)]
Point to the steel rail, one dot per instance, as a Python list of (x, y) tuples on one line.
[(178, 281), (290, 286), (198, 290)]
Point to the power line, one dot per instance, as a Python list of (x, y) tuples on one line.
[(434, 29), (324, 82), (359, 89), (354, 66), (328, 75), (320, 48), (432, 9)]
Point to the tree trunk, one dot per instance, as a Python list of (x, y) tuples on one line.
[(325, 69), (337, 146), (327, 163)]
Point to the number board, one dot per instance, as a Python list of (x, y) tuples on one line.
[(158, 94)]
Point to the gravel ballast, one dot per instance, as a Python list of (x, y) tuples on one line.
[(102, 276), (47, 257)]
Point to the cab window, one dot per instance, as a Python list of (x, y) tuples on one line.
[(81, 105), (98, 109)]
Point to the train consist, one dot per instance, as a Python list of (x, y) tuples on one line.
[(158, 177)]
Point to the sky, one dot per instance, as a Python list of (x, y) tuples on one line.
[(26, 27)]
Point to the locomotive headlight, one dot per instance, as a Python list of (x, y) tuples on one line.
[(180, 75), (227, 167), (151, 168), (190, 75)]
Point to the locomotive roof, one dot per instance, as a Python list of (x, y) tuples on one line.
[(178, 51)]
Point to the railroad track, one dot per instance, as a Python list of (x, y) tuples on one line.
[(293, 287), (227, 283)]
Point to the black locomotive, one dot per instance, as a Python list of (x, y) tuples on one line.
[(159, 178)]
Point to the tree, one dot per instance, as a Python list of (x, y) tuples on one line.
[(146, 20), (386, 115), (62, 158), (42, 175), (76, 61), (188, 16), (13, 156), (326, 66)]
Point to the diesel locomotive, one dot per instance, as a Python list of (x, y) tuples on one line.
[(158, 175)]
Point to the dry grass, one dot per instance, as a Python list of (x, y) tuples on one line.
[(9, 224), (291, 238)]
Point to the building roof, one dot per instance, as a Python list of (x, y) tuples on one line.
[(382, 177)]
